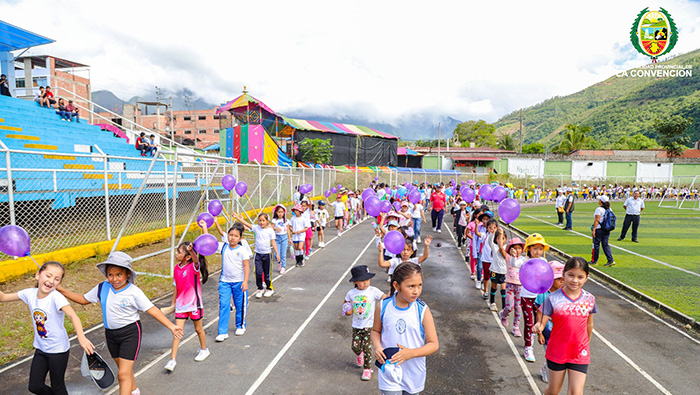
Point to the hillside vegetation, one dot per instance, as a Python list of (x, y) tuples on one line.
[(616, 107)]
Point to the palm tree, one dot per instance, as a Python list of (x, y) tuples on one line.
[(506, 142), (574, 138)]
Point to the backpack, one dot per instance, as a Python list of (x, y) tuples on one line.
[(608, 222)]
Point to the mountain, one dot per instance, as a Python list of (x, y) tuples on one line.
[(625, 104), (108, 100)]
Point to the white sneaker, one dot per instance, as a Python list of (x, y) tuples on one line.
[(439, 230), (259, 293), (435, 229), (170, 366), (268, 293), (202, 355), (493, 307), (418, 240), (478, 284), (472, 276), (321, 245), (136, 392), (222, 337), (544, 372), (306, 257), (283, 270), (239, 331), (529, 354)]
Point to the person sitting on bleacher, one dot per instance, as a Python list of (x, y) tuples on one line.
[(61, 110), (4, 86), (39, 95), (141, 144), (47, 98), (152, 147), (72, 111)]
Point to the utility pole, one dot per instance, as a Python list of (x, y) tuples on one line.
[(521, 131)]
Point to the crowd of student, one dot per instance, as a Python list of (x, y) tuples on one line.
[(381, 320), (67, 112), (592, 192)]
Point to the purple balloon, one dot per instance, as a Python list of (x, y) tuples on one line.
[(414, 196), (386, 206), (373, 206), (327, 193), (394, 242), (485, 191), (334, 190), (367, 193), (469, 195), (207, 218), (376, 178), (498, 194), (309, 188), (536, 275), (509, 210), (206, 244), (388, 190), (14, 240), (397, 205), (228, 182), (215, 207), (241, 188), (339, 186)]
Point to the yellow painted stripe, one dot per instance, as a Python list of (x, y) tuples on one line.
[(75, 166), (116, 186), (22, 137), (2, 120), (41, 146), (91, 176), (59, 157), (13, 128)]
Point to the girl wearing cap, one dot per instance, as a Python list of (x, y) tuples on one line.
[(280, 224), (535, 247), (543, 335), (52, 347), (300, 225), (360, 302), (600, 235), (321, 223), (499, 267), (513, 286), (121, 300)]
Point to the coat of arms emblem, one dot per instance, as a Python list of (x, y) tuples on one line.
[(654, 33)]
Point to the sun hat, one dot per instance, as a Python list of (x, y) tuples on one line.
[(297, 207), (120, 259), (360, 273), (393, 213), (404, 203), (535, 238), (558, 268), (476, 204), (462, 202), (603, 198), (514, 242)]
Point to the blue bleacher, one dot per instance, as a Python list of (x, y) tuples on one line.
[(26, 126)]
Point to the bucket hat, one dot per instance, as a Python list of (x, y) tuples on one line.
[(360, 273), (120, 259), (535, 238)]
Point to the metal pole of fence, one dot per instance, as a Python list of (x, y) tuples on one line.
[(10, 187), (165, 187), (291, 186), (277, 187), (260, 180), (201, 198), (106, 188), (135, 201), (173, 222)]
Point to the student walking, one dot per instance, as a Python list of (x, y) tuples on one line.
[(264, 246), (601, 236)]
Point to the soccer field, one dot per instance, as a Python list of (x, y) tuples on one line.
[(665, 234)]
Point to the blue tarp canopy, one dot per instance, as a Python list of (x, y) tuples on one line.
[(213, 147), (13, 38)]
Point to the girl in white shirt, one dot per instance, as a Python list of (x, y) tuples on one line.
[(48, 310), (299, 225)]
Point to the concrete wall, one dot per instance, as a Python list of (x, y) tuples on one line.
[(556, 168), (654, 172), (526, 167), (622, 169), (501, 166), (588, 170), (686, 170)]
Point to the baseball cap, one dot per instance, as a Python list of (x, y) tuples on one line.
[(558, 269), (96, 368), (603, 198), (321, 203)]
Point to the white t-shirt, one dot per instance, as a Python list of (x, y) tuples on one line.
[(634, 206), (49, 333), (339, 208), (363, 303), (354, 203), (322, 216), (599, 211), (263, 237), (417, 209), (281, 224), (119, 308), (232, 261), (393, 262)]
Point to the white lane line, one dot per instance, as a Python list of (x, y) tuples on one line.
[(634, 365), (624, 249), (294, 337), (647, 312), (522, 364)]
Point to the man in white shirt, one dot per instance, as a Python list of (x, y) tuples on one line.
[(634, 207)]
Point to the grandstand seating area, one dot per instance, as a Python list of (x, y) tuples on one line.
[(68, 165)]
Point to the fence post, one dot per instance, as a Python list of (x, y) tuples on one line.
[(105, 165), (291, 186), (10, 187), (165, 187), (260, 181), (173, 222), (277, 187)]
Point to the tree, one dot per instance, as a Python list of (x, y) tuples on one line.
[(574, 138), (316, 151), (674, 140), (480, 132), (506, 142), (534, 148), (636, 142)]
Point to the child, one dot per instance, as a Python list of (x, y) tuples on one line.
[(484, 250), (499, 267), (472, 241), (404, 321), (233, 281), (513, 288), (543, 336), (416, 217), (461, 219), (339, 212), (189, 275), (569, 344), (362, 298), (48, 310), (121, 301), (535, 246), (405, 256), (299, 226), (321, 222), (309, 235), (264, 237), (309, 242), (281, 226)]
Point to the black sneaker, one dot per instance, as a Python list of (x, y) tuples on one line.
[(593, 263), (635, 241), (610, 264), (620, 239)]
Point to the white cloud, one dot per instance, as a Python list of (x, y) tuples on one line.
[(373, 60)]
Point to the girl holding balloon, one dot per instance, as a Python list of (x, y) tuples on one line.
[(513, 286), (571, 310), (535, 247)]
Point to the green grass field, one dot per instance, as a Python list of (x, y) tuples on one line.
[(666, 234)]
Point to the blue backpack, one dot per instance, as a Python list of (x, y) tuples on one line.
[(608, 222)]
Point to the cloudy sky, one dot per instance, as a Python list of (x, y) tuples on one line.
[(379, 61)]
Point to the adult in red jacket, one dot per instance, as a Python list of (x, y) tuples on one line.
[(437, 199)]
